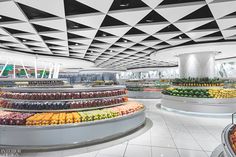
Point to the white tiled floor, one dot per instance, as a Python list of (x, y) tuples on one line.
[(171, 135)]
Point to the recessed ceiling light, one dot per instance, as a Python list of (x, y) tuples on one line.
[(124, 3), (104, 35), (149, 20), (180, 37)]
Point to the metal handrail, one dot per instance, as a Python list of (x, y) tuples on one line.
[(233, 117)]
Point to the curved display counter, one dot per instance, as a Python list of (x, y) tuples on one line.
[(228, 139), (145, 94), (198, 100), (199, 105), (146, 89), (33, 118), (39, 137)]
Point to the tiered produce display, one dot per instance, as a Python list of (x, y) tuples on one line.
[(146, 89), (43, 107), (147, 85), (59, 117), (31, 83), (201, 93), (232, 139), (59, 101), (198, 82), (228, 139)]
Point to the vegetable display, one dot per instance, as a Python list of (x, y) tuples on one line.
[(198, 82), (187, 92), (200, 93), (146, 85)]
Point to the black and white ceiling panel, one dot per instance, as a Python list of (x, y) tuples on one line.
[(116, 34)]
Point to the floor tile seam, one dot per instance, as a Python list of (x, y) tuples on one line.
[(150, 137), (210, 133), (164, 147), (206, 152), (204, 128), (193, 137), (134, 144), (193, 149), (170, 134), (125, 149)]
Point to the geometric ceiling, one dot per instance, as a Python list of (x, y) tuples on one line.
[(119, 34)]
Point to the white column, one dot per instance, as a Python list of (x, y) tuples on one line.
[(197, 65)]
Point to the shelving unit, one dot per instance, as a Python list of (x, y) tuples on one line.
[(86, 99), (70, 134), (33, 83), (64, 110), (145, 89), (226, 148), (197, 100)]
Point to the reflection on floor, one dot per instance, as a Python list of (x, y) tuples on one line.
[(171, 135)]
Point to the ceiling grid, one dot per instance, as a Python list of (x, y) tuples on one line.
[(116, 34)]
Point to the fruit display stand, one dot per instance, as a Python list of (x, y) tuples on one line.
[(34, 83), (198, 100), (145, 89), (39, 118), (228, 139)]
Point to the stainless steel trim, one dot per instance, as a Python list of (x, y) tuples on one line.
[(32, 90)]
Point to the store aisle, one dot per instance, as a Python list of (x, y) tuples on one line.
[(171, 135)]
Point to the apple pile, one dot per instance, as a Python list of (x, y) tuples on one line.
[(232, 139), (61, 96), (59, 105), (13, 118)]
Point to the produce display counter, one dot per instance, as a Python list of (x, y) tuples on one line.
[(145, 94), (146, 89), (61, 136), (199, 105), (228, 139), (42, 118), (198, 100), (30, 82)]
